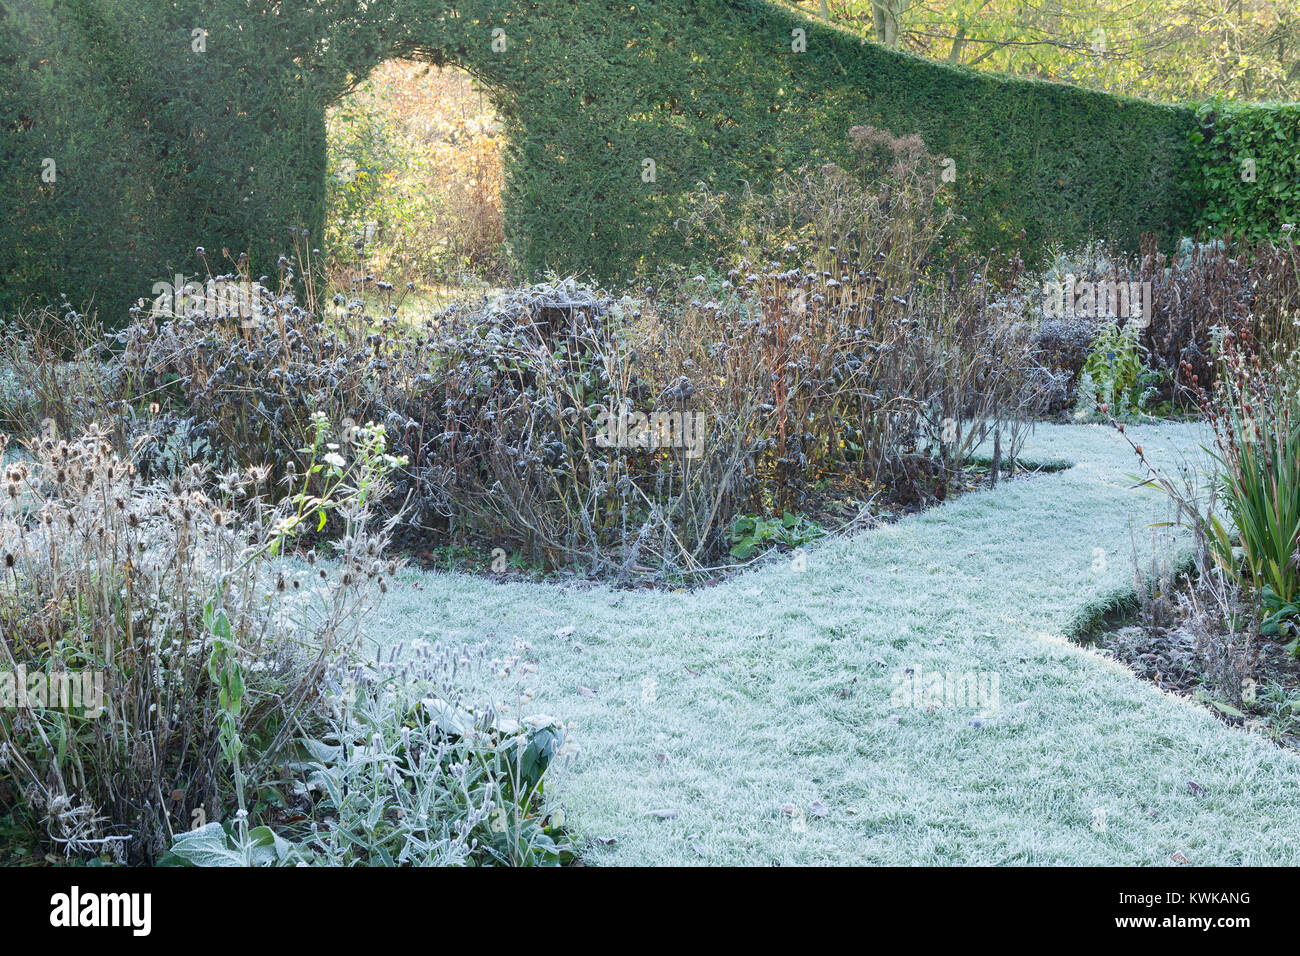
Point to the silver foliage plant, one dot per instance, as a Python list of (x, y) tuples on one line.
[(417, 766)]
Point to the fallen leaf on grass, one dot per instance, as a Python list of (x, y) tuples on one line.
[(1227, 709), (1180, 857)]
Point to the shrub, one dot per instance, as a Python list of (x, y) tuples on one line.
[(1115, 375), (501, 434), (494, 408), (1247, 161), (871, 359), (1209, 289), (249, 386), (1189, 300), (1066, 333)]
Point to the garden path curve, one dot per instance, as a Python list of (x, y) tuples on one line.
[(774, 688)]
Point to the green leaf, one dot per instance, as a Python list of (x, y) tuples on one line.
[(1228, 709), (220, 626), (268, 847), (741, 526)]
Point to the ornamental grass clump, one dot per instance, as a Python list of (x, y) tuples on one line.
[(1252, 553), (1255, 413)]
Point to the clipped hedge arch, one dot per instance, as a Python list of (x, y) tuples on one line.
[(162, 147)]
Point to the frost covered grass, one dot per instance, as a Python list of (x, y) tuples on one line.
[(752, 722)]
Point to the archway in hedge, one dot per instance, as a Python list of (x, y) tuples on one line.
[(414, 181), (613, 110)]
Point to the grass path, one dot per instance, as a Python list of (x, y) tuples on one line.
[(775, 688)]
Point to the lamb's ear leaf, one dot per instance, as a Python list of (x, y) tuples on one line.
[(206, 846)]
